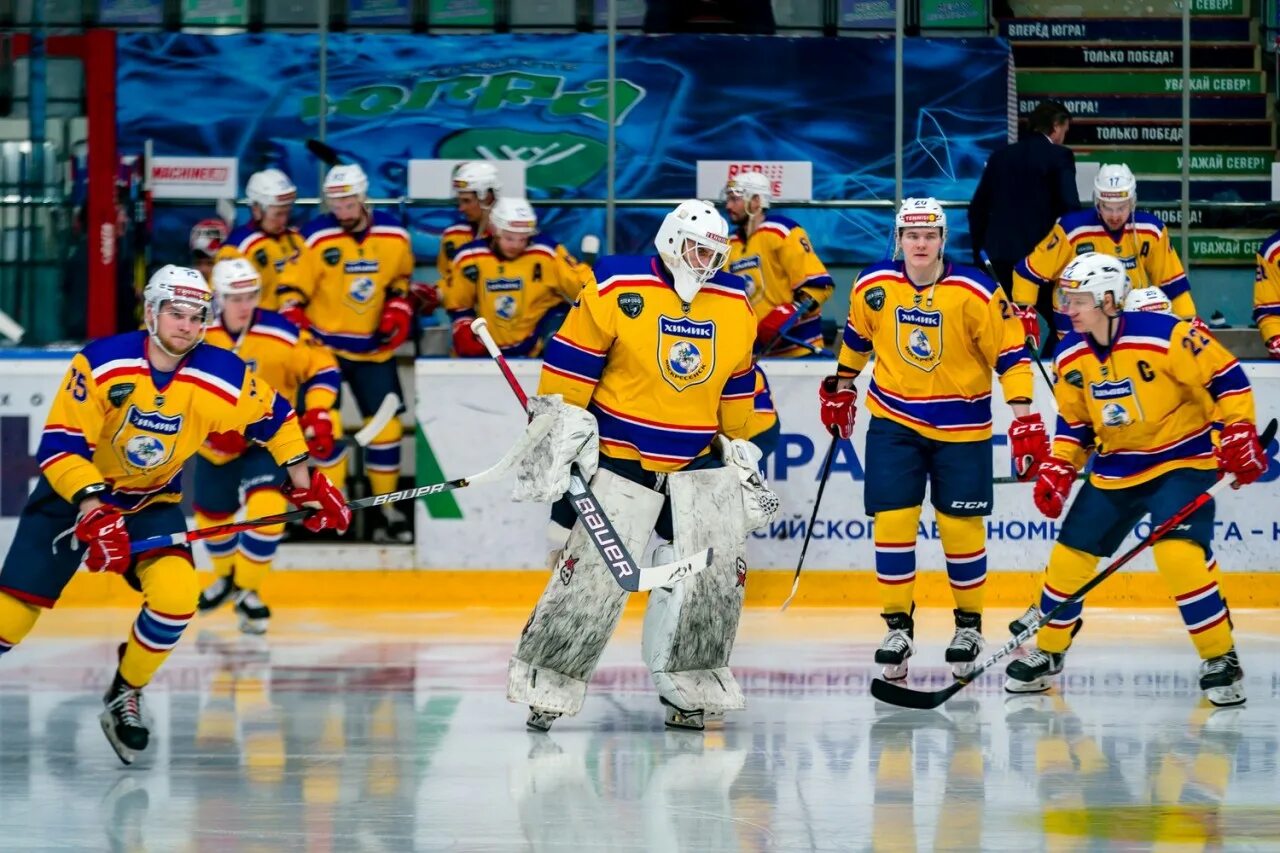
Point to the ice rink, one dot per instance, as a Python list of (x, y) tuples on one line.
[(375, 731)]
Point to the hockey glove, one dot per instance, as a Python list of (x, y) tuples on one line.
[(229, 443), (760, 505), (465, 342), (776, 323), (1030, 320), (1239, 453), (426, 296), (295, 313), (102, 529), (1053, 486), (1028, 444), (317, 427), (397, 319), (542, 475), (1273, 346), (838, 407), (331, 510)]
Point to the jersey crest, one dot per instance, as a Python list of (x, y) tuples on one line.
[(920, 337), (146, 440), (686, 351), (359, 292), (506, 295), (1120, 406)]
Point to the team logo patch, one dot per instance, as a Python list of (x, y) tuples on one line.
[(920, 337), (450, 250), (1114, 396), (874, 298), (252, 364), (506, 306), (260, 258), (1084, 248), (146, 440), (332, 256), (359, 292), (1074, 377), (630, 304), (119, 393), (567, 569), (472, 272), (686, 351)]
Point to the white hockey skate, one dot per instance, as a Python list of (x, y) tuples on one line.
[(1222, 680), (966, 644), (897, 646)]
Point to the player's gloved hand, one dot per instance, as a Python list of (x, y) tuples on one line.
[(543, 473), (1273, 346), (229, 443), (102, 529), (397, 320), (777, 322), (296, 314), (465, 342), (1239, 452), (1030, 320), (317, 428), (331, 510), (1053, 486), (760, 505), (1028, 444), (426, 296), (839, 407)]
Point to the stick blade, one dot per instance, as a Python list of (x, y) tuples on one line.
[(533, 433), (652, 577), (795, 587), (905, 697), (386, 411)]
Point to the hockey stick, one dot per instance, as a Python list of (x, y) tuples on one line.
[(625, 570), (324, 153), (896, 694), (534, 433), (386, 411), (808, 533), (796, 342)]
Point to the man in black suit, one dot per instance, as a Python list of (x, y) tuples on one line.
[(1024, 188)]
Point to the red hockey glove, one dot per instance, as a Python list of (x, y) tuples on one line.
[(102, 529), (317, 428), (838, 407), (1028, 444), (1273, 346), (777, 322), (1239, 453), (229, 443), (296, 314), (397, 319), (465, 342), (1030, 321), (426, 296), (1053, 486), (332, 512)]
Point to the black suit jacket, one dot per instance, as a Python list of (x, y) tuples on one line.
[(1024, 188)]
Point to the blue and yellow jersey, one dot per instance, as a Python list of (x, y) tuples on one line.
[(1266, 288), (344, 280), (780, 262), (283, 356), (514, 296), (1148, 402), (661, 381), (1143, 245), (763, 412), (269, 254), (936, 347), (117, 421), (452, 239)]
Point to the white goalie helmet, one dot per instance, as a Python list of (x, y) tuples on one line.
[(689, 231), (176, 285), (235, 276), (477, 177), (515, 215), (748, 184), (1115, 184), (1148, 299), (1097, 274), (346, 179), (270, 188)]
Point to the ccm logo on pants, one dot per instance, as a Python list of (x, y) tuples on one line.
[(969, 504)]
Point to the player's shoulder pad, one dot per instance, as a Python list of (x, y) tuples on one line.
[(878, 271), (543, 244), (323, 222), (241, 233), (458, 226), (785, 223), (1079, 218), (1269, 246), (1149, 324), (278, 322), (219, 367), (382, 217), (974, 279), (472, 249), (1071, 347), (1146, 217), (127, 346)]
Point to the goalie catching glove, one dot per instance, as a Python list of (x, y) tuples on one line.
[(760, 505), (543, 472)]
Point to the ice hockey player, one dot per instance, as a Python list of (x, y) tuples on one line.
[(652, 362), (476, 187), (131, 410), (1114, 226), (1142, 388), (205, 241), (516, 279), (267, 241), (1266, 294), (350, 287), (231, 473), (938, 330)]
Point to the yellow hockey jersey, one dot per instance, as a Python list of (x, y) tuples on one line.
[(452, 239), (112, 423), (514, 296), (1266, 288), (935, 347), (269, 254), (286, 358), (660, 380), (345, 279), (1143, 245), (779, 261), (1148, 402)]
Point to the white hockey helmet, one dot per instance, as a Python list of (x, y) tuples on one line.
[(1095, 273), (919, 213), (1148, 299), (270, 188), (207, 237), (235, 276), (515, 215), (694, 225), (748, 184), (477, 176), (179, 286), (1115, 184), (346, 179)]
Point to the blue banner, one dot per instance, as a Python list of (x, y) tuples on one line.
[(543, 98)]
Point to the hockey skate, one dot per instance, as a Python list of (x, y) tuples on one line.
[(122, 720), (539, 720), (679, 718), (966, 644), (1222, 680), (396, 529), (253, 614), (897, 646), (216, 594), (1032, 673), (1025, 622)]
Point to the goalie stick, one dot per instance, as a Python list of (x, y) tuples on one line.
[(630, 575), (538, 427), (905, 697)]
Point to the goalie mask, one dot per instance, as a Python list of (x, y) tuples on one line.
[(693, 242), (207, 237), (181, 287)]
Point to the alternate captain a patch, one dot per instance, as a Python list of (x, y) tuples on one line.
[(920, 337), (686, 350)]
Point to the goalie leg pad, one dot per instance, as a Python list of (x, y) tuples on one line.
[(581, 604), (689, 628)]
